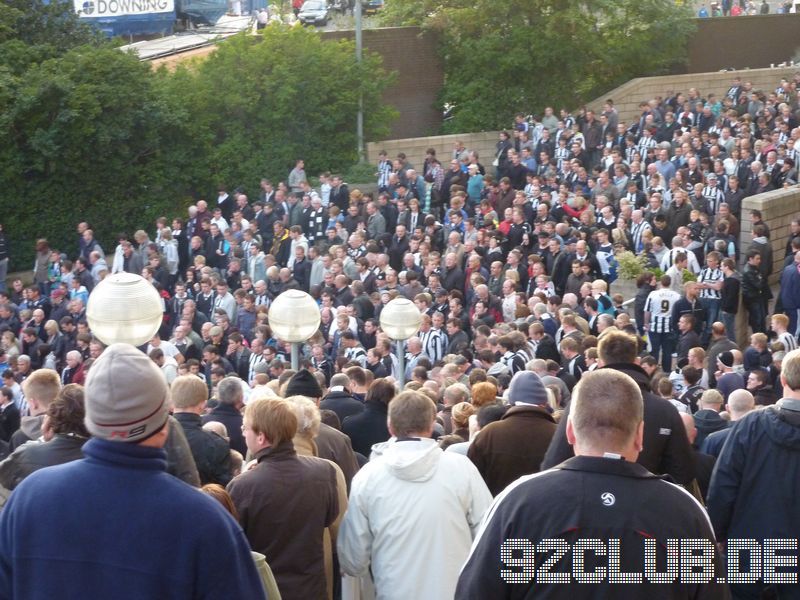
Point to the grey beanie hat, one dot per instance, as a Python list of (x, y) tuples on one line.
[(126, 395), (527, 388)]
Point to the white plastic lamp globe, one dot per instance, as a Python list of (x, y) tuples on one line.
[(294, 316), (400, 319), (124, 307)]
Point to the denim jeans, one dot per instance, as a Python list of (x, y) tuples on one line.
[(664, 343), (712, 314), (729, 320), (3, 274)]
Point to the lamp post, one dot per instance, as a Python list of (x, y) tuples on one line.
[(400, 319), (294, 317), (124, 307)]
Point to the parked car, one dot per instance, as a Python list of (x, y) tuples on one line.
[(372, 6), (314, 12)]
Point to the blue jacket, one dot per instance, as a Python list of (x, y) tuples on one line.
[(756, 481), (116, 525), (790, 287)]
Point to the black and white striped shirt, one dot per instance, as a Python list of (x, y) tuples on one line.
[(644, 144), (709, 275), (659, 304), (434, 344), (714, 197), (356, 354), (788, 340), (637, 229)]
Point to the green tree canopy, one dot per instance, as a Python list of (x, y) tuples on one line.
[(505, 56), (90, 133), (263, 103)]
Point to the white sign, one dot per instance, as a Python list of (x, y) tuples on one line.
[(120, 8)]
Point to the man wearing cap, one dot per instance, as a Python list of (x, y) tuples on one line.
[(58, 536), (413, 509), (516, 444), (727, 376), (756, 476), (609, 515)]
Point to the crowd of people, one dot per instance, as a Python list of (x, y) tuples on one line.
[(526, 359)]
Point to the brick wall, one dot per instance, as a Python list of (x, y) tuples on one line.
[(414, 57), (778, 208), (628, 96), (743, 42)]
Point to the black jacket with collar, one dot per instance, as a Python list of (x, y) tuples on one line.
[(603, 499), (666, 446)]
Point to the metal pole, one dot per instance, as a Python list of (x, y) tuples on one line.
[(295, 356), (401, 364), (360, 116)]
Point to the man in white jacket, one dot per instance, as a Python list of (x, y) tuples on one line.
[(413, 509)]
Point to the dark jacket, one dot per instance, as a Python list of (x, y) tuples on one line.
[(342, 403), (33, 456), (9, 421), (513, 446), (333, 445), (368, 427), (585, 497), (211, 453), (284, 504), (757, 478), (666, 446), (232, 419), (707, 421)]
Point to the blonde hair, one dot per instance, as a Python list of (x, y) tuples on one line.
[(188, 391), (308, 416), (461, 414), (275, 418)]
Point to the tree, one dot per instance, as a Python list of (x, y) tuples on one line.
[(90, 133), (506, 56), (87, 137), (261, 104)]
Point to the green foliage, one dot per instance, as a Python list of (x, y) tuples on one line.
[(630, 265), (92, 134), (688, 276), (506, 56), (264, 103), (359, 173)]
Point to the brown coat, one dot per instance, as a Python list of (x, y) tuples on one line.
[(285, 503), (512, 447)]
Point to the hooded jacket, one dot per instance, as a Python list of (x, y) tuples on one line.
[(707, 421), (666, 446), (413, 510), (757, 478)]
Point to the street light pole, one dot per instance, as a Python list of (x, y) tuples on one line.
[(360, 115), (401, 364), (295, 356)]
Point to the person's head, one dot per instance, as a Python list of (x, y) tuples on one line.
[(711, 400), (411, 414), (740, 402), (268, 422), (189, 394), (66, 413), (308, 416), (40, 389), (616, 347), (607, 415), (229, 392), (127, 398)]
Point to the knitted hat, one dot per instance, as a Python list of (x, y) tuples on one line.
[(726, 358), (303, 383), (126, 395), (527, 388)]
